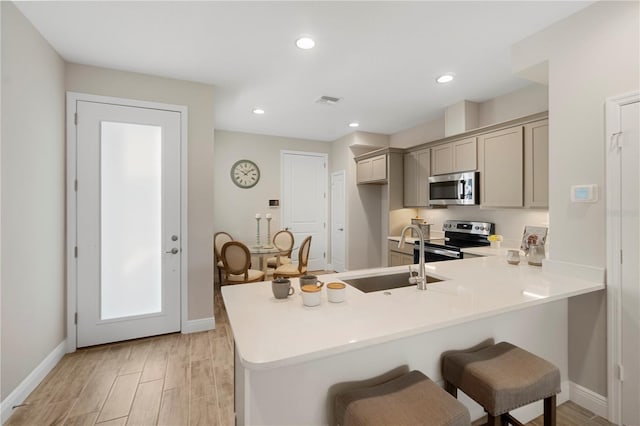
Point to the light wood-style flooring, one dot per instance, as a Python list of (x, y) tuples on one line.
[(176, 380)]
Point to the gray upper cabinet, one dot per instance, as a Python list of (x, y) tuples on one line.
[(536, 164), (416, 178), (441, 159), (465, 155), (456, 156), (500, 162), (372, 169), (514, 166)]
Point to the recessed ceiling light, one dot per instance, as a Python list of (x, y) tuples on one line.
[(305, 43), (354, 124), (445, 78), (257, 111)]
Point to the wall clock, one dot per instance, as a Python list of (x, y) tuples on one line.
[(245, 173)]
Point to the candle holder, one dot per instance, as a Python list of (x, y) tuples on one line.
[(258, 245), (269, 245)]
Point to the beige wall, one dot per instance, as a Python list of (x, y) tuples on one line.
[(364, 227), (33, 212), (199, 100), (235, 208), (526, 101), (428, 131), (591, 55)]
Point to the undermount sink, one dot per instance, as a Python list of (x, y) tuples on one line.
[(384, 282)]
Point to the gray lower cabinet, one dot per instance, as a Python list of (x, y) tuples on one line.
[(416, 178), (400, 256)]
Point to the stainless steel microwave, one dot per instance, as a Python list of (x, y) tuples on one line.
[(454, 188)]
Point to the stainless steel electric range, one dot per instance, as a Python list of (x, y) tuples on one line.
[(458, 234)]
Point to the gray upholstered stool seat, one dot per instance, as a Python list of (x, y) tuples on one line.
[(501, 378), (411, 399)]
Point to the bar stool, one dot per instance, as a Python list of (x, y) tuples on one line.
[(411, 399), (501, 378)]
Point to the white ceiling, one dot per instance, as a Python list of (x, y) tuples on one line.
[(381, 58)]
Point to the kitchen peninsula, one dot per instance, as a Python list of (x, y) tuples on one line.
[(288, 356)]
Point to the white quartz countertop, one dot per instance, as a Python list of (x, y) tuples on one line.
[(434, 236), (271, 333), (489, 251)]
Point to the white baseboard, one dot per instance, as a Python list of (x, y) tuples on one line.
[(585, 272), (194, 326), (589, 399), (22, 391)]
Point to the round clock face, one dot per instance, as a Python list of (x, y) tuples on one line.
[(245, 173)]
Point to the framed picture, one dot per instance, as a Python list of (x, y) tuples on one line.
[(533, 235)]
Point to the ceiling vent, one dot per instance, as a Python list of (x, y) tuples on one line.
[(327, 100)]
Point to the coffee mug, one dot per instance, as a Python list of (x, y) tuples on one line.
[(336, 292), (513, 257), (310, 279), (281, 288), (311, 294)]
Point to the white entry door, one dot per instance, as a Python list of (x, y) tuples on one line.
[(338, 221), (304, 202), (128, 222), (630, 244)]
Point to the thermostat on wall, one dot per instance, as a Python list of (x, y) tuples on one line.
[(584, 193)]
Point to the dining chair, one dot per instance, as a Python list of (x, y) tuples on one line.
[(237, 261), (219, 239), (283, 241), (290, 270)]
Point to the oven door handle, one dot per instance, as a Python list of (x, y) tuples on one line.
[(441, 252)]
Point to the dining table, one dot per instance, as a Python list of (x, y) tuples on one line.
[(263, 252)]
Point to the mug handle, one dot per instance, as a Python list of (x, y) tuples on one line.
[(291, 290), (321, 284)]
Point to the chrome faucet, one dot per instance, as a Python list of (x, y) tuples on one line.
[(421, 279)]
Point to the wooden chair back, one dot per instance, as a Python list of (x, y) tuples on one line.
[(283, 240), (303, 254), (219, 239), (236, 259)]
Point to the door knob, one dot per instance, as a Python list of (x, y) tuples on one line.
[(173, 251)]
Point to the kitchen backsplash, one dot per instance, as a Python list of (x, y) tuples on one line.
[(510, 223)]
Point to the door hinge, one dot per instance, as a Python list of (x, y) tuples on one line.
[(620, 255), (620, 372), (325, 195), (75, 185), (75, 318), (324, 164), (75, 118), (75, 252), (324, 225), (324, 254)]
